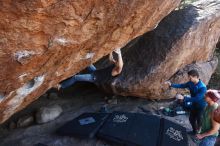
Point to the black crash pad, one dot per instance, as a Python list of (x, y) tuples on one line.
[(172, 134), (84, 126), (40, 144), (131, 129)]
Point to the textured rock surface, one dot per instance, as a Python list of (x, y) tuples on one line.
[(43, 42), (184, 37), (47, 114), (205, 69), (25, 121), (214, 83)]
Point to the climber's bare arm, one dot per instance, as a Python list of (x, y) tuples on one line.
[(118, 64)]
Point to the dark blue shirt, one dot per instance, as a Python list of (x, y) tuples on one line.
[(197, 92), (103, 75)]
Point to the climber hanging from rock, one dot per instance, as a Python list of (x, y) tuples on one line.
[(97, 76)]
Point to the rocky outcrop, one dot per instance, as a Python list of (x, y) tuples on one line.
[(205, 69), (44, 42), (185, 36), (47, 114)]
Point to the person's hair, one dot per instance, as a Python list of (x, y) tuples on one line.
[(214, 95), (193, 73)]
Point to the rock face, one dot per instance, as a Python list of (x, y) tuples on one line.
[(25, 121), (205, 69), (47, 114), (44, 42), (184, 37)]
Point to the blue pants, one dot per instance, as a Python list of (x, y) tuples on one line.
[(84, 77), (208, 141)]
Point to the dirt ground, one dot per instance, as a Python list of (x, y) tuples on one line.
[(75, 101)]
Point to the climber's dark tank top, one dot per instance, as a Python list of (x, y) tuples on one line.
[(103, 75)]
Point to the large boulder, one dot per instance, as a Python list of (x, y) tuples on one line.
[(205, 69), (184, 37), (47, 114), (44, 42)]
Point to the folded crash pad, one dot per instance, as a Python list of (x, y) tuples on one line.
[(84, 126), (116, 127), (172, 134), (131, 129)]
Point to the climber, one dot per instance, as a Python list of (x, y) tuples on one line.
[(97, 76), (197, 90)]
